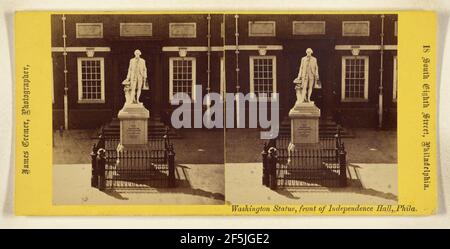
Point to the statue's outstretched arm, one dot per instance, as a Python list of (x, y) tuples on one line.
[(129, 71), (299, 76), (145, 71), (317, 70), (300, 70)]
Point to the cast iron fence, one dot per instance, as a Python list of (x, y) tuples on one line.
[(150, 166), (323, 164)]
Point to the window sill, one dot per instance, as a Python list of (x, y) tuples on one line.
[(192, 101), (265, 100), (354, 100), (255, 98), (90, 101), (355, 35)]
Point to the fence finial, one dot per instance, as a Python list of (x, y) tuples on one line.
[(171, 165), (272, 167), (94, 149)]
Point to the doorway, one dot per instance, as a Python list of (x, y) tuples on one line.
[(123, 51), (294, 50)]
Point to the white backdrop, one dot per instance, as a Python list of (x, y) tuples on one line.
[(8, 220)]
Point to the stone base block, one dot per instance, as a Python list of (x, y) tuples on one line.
[(133, 124), (304, 124)]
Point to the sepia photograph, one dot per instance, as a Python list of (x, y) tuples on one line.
[(335, 80), (224, 108), (224, 115), (114, 78)]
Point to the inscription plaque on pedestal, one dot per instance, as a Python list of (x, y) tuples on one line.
[(304, 123), (133, 137), (133, 124), (133, 132)]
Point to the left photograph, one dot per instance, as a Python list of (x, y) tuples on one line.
[(121, 132)]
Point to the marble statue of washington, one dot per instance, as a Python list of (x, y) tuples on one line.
[(308, 76), (137, 75)]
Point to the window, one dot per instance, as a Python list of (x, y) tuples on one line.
[(261, 28), (355, 78), (182, 76), (395, 80), (91, 80), (355, 28), (183, 30), (53, 85), (136, 29), (308, 27), (222, 77), (263, 75), (395, 28), (89, 30)]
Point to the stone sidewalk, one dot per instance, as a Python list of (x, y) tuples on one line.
[(201, 154), (242, 146), (239, 184), (196, 146), (370, 184), (368, 146), (201, 184)]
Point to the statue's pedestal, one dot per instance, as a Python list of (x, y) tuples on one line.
[(304, 135), (304, 124), (133, 139), (133, 125)]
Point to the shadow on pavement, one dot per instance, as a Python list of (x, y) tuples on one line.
[(355, 185), (183, 186)]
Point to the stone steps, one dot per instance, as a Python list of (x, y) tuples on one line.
[(156, 129), (327, 128)]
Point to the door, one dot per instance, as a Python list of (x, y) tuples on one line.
[(123, 51), (322, 50)]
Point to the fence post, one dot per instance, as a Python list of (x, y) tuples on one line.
[(265, 176), (101, 169), (101, 140), (166, 137), (338, 137), (94, 173), (337, 143), (171, 164), (343, 166), (272, 167)]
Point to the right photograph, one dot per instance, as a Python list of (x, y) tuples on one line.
[(314, 115)]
